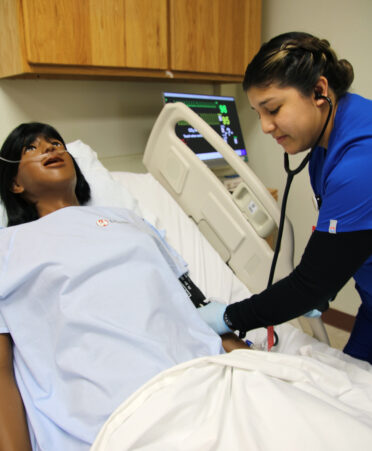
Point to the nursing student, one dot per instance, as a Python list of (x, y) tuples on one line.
[(91, 304), (298, 87)]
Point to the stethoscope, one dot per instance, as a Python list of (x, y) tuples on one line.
[(290, 175)]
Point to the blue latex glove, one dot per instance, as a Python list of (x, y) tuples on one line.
[(212, 314), (317, 313), (313, 314)]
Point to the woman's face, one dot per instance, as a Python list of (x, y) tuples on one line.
[(45, 168), (293, 120)]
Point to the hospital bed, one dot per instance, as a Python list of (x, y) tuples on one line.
[(302, 395), (236, 225)]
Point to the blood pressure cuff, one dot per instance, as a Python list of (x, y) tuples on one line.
[(193, 292)]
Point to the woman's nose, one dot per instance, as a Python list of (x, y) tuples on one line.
[(267, 124)]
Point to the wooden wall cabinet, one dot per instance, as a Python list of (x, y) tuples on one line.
[(208, 40)]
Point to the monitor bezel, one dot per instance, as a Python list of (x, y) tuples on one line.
[(211, 158)]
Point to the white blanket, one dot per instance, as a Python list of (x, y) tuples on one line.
[(248, 400), (303, 396)]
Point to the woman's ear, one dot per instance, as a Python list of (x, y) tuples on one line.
[(321, 90), (16, 188)]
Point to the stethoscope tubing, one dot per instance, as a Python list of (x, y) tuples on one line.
[(290, 175)]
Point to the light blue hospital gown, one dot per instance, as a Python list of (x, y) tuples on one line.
[(95, 311)]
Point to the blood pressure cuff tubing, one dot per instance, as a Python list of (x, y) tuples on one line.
[(328, 262)]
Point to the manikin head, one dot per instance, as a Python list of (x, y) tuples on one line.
[(46, 172)]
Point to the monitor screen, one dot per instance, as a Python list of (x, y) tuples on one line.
[(217, 111)]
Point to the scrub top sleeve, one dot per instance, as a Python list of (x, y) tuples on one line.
[(347, 200), (328, 262)]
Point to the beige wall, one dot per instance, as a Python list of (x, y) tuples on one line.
[(347, 25), (113, 117)]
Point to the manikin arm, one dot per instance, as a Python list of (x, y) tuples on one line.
[(231, 341), (14, 434)]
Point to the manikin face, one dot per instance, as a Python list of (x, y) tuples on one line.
[(45, 168), (293, 120)]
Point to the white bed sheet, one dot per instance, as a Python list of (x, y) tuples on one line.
[(247, 400)]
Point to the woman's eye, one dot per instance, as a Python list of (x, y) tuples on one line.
[(56, 143), (273, 112)]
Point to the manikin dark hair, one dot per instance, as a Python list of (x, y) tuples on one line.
[(297, 60), (17, 208)]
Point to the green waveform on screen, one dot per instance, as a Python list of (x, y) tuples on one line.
[(209, 118), (200, 104)]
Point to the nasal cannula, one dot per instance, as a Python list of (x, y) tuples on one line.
[(36, 158)]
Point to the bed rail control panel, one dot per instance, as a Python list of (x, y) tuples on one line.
[(253, 210), (236, 225)]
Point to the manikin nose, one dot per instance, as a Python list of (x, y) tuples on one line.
[(49, 148)]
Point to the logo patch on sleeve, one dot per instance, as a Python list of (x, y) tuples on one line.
[(332, 226)]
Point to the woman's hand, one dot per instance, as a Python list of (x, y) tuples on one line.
[(212, 314)]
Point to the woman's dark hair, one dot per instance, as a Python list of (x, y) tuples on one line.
[(298, 60), (18, 209)]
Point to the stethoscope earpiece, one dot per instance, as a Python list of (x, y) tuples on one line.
[(319, 95)]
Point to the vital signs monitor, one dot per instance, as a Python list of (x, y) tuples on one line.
[(220, 113)]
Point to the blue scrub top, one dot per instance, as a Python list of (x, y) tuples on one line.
[(341, 177)]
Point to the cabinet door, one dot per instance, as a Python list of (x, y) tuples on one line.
[(146, 33), (215, 36), (115, 33)]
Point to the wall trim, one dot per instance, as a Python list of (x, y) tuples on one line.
[(341, 320)]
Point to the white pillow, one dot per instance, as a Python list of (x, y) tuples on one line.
[(3, 216), (105, 191)]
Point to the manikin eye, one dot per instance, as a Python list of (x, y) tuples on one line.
[(29, 148)]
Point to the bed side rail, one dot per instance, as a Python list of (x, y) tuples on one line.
[(236, 225)]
